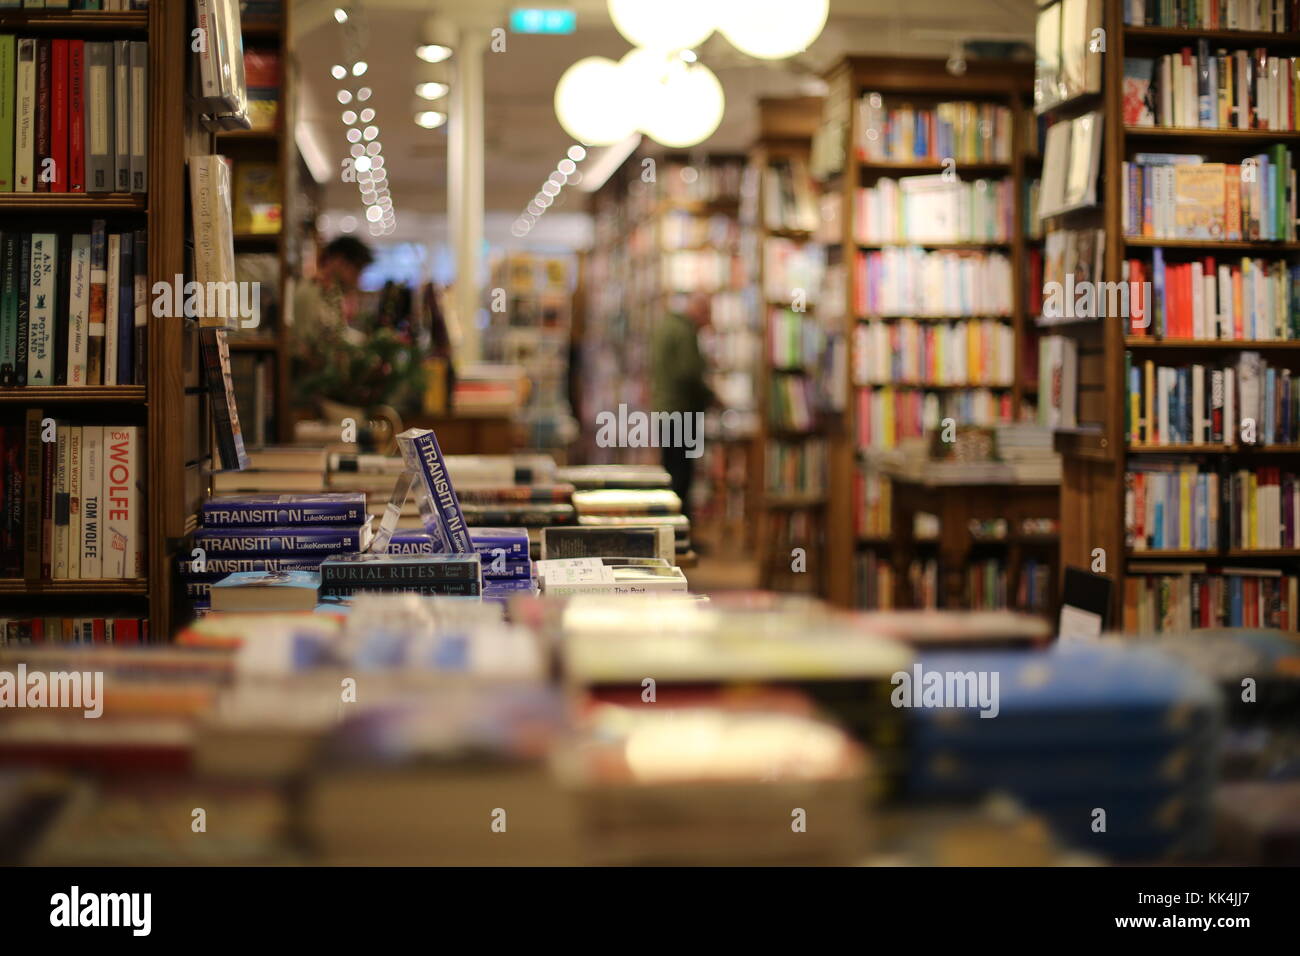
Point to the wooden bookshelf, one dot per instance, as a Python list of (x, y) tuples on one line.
[(270, 343), (786, 128), (1098, 455), (156, 406), (920, 81)]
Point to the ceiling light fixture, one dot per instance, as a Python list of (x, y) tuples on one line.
[(433, 52), (338, 72), (430, 119), (431, 90)]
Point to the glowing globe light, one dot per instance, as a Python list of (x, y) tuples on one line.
[(664, 24), (771, 29), (593, 103)]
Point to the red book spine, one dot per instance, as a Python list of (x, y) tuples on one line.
[(42, 118), (97, 631), (47, 510), (59, 114), (76, 116)]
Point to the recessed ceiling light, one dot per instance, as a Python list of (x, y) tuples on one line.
[(430, 119), (550, 189), (358, 150), (377, 162), (340, 15), (577, 154), (349, 117), (433, 52), (363, 94), (348, 224), (431, 91), (360, 67), (367, 115), (566, 166), (338, 72), (374, 213), (354, 135), (362, 164), (370, 133), (345, 97), (373, 149)]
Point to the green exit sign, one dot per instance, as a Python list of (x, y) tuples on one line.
[(541, 20)]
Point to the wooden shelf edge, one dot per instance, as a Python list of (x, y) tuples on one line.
[(75, 21), (54, 394), (130, 586), (1142, 342), (72, 202)]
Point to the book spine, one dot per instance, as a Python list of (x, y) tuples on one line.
[(121, 503), (497, 568), (433, 588), (489, 545), (139, 58), (42, 149), (122, 115), (8, 82), (96, 314), (8, 307), (76, 116), (61, 294), (100, 114), (78, 282), (225, 415), (59, 115), (399, 573), (33, 458), (40, 353), (25, 117), (230, 513), (61, 493), (278, 541), (92, 490), (421, 451), (126, 309), (23, 325), (49, 465), (112, 303), (140, 332), (11, 521), (217, 568)]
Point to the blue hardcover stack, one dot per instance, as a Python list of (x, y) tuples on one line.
[(1086, 735), (507, 566), (242, 533)]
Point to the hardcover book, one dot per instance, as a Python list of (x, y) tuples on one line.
[(423, 456), (598, 542), (266, 591), (487, 541), (282, 540), (284, 510), (397, 569)]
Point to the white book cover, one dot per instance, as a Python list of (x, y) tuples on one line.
[(1229, 407), (92, 488), (122, 115), (1198, 301), (139, 54), (121, 503), (1198, 405), (60, 550), (78, 309), (111, 307), (1162, 399), (40, 330), (25, 117), (76, 470), (1226, 315)]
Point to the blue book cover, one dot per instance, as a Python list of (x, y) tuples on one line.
[(210, 569), (242, 511), (280, 541), (514, 541), (502, 568), (422, 455), (506, 585)]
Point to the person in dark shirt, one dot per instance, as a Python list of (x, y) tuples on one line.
[(679, 381)]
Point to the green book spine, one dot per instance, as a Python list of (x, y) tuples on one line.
[(8, 315), (8, 57)]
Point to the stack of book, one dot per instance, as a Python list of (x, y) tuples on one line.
[(935, 209), (1177, 597), (794, 469), (1058, 381), (965, 132), (1250, 298), (1203, 89), (1180, 196), (1113, 746), (262, 73), (1174, 506), (904, 352), (504, 554), (70, 501), (528, 506), (916, 283), (271, 533), (74, 308), (1256, 16), (612, 508), (454, 575), (789, 196), (74, 115), (489, 390), (1027, 448), (887, 415), (561, 577), (1248, 403)]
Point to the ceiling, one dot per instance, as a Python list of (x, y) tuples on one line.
[(522, 138)]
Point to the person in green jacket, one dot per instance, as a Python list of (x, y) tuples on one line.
[(679, 383)]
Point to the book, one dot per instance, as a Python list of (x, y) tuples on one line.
[(422, 455), (92, 513), (214, 250), (266, 591), (283, 510), (513, 542), (125, 364), (62, 489), (578, 542), (10, 245), (100, 118), (8, 102), (302, 458), (276, 541), (25, 117), (256, 198), (97, 312), (140, 304), (121, 50), (138, 125), (225, 414), (122, 547), (58, 105), (78, 282), (76, 116), (376, 571), (41, 291), (112, 306), (41, 158)]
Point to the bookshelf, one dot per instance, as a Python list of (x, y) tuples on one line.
[(260, 359), (864, 512), (1103, 455), (788, 517), (154, 407)]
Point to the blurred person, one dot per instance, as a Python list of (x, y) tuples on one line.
[(326, 308), (679, 383)]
